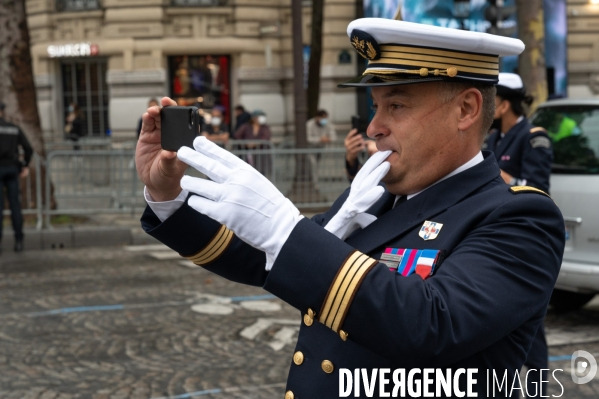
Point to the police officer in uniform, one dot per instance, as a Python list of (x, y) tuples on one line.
[(429, 260), (524, 154), (523, 151), (11, 169)]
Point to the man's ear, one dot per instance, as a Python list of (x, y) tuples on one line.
[(471, 108)]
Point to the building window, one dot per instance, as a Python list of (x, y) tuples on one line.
[(201, 80), (84, 84), (77, 5), (201, 3)]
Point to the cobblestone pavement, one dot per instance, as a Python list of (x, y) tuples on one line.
[(112, 323)]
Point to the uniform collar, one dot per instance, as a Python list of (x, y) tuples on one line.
[(432, 201), (478, 158), (520, 119)]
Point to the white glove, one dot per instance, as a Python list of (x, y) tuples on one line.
[(239, 197), (364, 192)]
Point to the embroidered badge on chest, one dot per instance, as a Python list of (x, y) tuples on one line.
[(430, 230)]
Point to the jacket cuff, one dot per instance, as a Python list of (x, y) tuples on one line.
[(319, 274), (180, 235)]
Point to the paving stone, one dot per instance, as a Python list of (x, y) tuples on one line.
[(112, 322)]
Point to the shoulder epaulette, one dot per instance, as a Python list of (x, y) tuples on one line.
[(537, 129), (527, 189)]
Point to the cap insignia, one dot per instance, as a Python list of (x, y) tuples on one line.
[(365, 45)]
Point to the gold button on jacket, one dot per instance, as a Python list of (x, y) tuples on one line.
[(298, 358), (308, 320), (327, 366), (289, 395)]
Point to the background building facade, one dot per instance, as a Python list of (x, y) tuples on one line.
[(583, 48), (111, 56)]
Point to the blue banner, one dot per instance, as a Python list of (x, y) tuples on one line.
[(444, 13)]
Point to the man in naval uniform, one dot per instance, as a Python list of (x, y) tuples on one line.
[(523, 151), (443, 265)]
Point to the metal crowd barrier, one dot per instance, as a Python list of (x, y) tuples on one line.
[(105, 181)]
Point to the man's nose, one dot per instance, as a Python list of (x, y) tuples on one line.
[(377, 128)]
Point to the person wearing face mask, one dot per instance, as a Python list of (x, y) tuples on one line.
[(256, 129), (319, 129), (216, 130), (319, 132), (523, 151)]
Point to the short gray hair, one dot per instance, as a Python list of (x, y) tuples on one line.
[(488, 92)]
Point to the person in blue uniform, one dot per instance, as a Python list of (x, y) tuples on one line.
[(12, 168), (524, 154), (429, 260), (523, 151)]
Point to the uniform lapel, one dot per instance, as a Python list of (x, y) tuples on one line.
[(424, 206), (383, 205)]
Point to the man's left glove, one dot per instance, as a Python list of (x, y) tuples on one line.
[(239, 197), (364, 192)]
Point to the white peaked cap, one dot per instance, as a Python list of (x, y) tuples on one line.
[(510, 80), (400, 52), (393, 31)]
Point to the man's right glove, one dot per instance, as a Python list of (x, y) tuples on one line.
[(364, 192)]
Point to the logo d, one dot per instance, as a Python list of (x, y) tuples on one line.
[(582, 366)]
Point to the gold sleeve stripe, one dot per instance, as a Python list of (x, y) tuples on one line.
[(328, 302), (208, 250), (537, 129), (348, 297), (215, 247), (343, 289)]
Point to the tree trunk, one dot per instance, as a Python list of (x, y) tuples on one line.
[(303, 190), (18, 91), (531, 64), (17, 88), (315, 57)]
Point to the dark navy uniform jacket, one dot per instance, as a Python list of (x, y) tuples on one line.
[(481, 308), (525, 153)]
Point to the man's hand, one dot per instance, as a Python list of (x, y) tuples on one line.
[(239, 197), (364, 192), (24, 172), (354, 143), (158, 169)]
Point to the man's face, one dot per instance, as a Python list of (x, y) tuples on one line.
[(421, 130), (216, 113)]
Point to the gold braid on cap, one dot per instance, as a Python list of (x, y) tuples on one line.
[(424, 72)]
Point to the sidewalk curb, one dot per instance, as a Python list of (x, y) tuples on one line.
[(71, 237)]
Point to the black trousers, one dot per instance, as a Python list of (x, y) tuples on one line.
[(9, 178)]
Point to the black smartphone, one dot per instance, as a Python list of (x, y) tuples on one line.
[(360, 124), (179, 126)]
